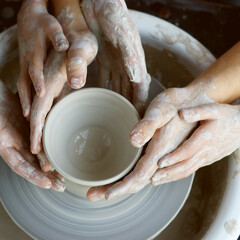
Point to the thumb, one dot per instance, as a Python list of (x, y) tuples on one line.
[(55, 33), (155, 118), (199, 113)]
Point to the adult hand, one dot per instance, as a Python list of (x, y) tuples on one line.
[(55, 79), (217, 137), (166, 130), (121, 60), (14, 144), (35, 27)]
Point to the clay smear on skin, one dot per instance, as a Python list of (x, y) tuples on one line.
[(55, 60), (66, 17), (232, 227), (87, 43), (24, 167), (193, 48), (113, 13), (27, 46), (131, 46)]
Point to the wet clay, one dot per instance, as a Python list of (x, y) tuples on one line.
[(202, 206), (193, 48), (231, 227), (164, 66)]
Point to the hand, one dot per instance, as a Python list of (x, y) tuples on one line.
[(83, 44), (35, 28), (55, 79), (14, 144), (166, 130), (121, 59), (217, 137)]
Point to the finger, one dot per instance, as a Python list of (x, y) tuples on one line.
[(136, 180), (126, 87), (57, 183), (24, 90), (116, 82), (140, 94), (104, 76), (44, 163), (188, 149), (175, 172), (156, 117), (98, 193), (90, 18), (122, 34), (55, 33), (23, 168), (28, 156), (65, 91), (81, 53), (40, 108), (123, 188), (36, 74), (163, 142), (203, 112), (58, 175), (76, 72)]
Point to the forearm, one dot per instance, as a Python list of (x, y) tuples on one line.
[(69, 14), (221, 81)]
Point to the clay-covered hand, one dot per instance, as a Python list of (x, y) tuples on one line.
[(14, 144), (166, 130), (121, 60), (35, 28), (83, 44), (217, 137), (55, 81)]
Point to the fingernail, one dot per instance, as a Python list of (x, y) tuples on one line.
[(26, 110), (187, 115), (40, 91), (60, 186), (93, 195), (48, 183), (62, 45), (35, 148), (77, 82), (137, 138)]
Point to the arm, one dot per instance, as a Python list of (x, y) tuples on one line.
[(221, 80)]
